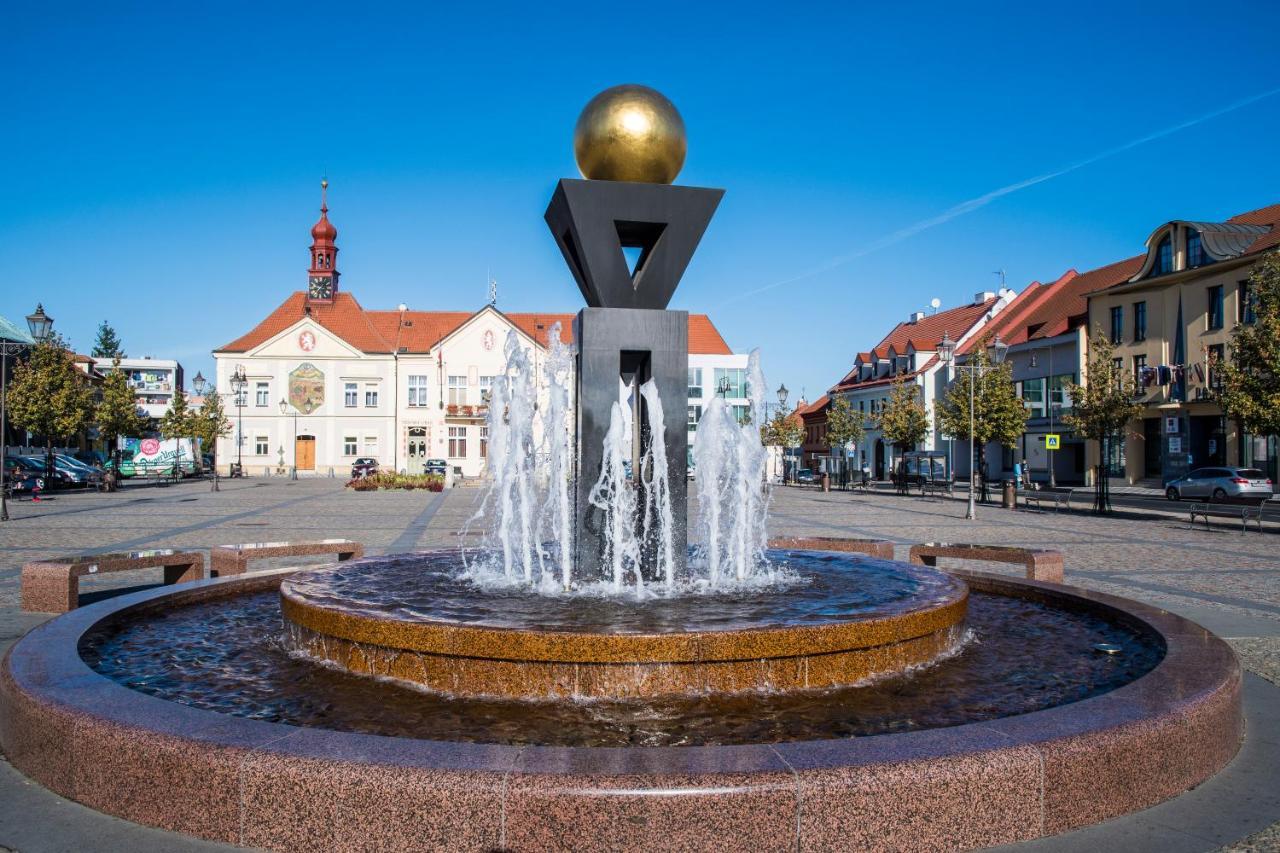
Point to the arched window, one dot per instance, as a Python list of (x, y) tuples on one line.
[(1196, 255), (1164, 256)]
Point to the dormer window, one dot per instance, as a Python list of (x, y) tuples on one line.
[(1164, 256), (1196, 255)]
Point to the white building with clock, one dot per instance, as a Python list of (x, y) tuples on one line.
[(328, 381)]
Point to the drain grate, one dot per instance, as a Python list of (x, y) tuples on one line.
[(250, 524)]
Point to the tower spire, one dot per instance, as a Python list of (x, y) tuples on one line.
[(322, 277)]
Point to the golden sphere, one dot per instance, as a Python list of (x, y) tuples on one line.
[(630, 133)]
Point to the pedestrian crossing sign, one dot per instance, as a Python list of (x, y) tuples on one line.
[(1052, 442)]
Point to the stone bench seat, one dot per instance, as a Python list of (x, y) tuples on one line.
[(881, 548), (53, 586), (1041, 564), (226, 560)]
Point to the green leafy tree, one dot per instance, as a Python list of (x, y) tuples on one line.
[(108, 344), (210, 422), (117, 413), (1250, 379), (844, 423), (1102, 407), (998, 413), (48, 396), (903, 421), (784, 429)]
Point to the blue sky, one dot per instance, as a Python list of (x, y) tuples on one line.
[(161, 164)]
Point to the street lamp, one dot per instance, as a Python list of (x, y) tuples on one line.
[(947, 353), (40, 324), (203, 387), (724, 386), (293, 469), (238, 383)]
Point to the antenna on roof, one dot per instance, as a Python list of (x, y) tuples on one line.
[(493, 292), (935, 303), (1000, 272)]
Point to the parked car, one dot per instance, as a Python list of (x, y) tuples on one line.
[(68, 472), (23, 467), (21, 477), (437, 466), (1221, 484), (363, 467), (806, 477)]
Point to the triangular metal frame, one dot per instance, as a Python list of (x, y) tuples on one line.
[(592, 220)]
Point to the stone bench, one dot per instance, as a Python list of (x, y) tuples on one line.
[(227, 560), (873, 547), (53, 586), (1042, 565)]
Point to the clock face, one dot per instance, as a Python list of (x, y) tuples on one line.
[(306, 341), (321, 287)]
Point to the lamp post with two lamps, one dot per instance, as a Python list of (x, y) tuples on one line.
[(40, 325), (947, 353), (238, 383)]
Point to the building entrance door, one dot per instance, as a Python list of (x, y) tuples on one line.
[(879, 472), (304, 453), (417, 451), (1151, 440)]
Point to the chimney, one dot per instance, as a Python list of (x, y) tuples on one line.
[(982, 296), (916, 317)]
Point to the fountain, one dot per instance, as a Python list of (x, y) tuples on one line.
[(590, 676)]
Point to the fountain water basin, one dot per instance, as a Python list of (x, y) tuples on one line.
[(828, 620)]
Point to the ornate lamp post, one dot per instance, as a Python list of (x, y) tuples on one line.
[(202, 387), (238, 383), (39, 325), (947, 353), (293, 469), (782, 407)]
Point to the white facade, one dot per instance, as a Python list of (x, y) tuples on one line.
[(154, 380), (401, 408), (705, 374)]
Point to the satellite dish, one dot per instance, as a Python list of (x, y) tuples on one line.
[(935, 303), (402, 307)]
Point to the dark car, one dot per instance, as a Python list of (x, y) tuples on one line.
[(363, 467), (92, 458), (805, 476), (437, 466), (21, 478)]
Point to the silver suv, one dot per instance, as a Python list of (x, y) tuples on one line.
[(1220, 484)]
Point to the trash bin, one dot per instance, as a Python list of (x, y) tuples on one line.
[(826, 482), (1009, 495)]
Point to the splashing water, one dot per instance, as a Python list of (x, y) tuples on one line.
[(733, 497), (531, 469)]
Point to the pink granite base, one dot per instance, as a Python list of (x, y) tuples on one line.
[(281, 787)]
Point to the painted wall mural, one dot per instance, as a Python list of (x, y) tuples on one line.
[(306, 388)]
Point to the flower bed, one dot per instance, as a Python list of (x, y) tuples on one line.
[(390, 480)]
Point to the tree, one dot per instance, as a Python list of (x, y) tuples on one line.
[(210, 422), (998, 414), (784, 429), (1250, 379), (117, 414), (48, 396), (1102, 407), (108, 343), (844, 424), (178, 421), (903, 420)]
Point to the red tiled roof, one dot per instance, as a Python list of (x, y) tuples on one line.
[(817, 407), (1269, 215), (383, 332), (926, 332)]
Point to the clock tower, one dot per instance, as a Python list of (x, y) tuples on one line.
[(322, 278)]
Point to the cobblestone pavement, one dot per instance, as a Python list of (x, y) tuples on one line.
[(1227, 581)]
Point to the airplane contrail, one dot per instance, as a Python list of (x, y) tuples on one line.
[(985, 199)]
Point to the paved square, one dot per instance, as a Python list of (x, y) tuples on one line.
[(1223, 579)]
